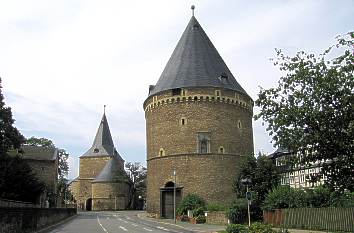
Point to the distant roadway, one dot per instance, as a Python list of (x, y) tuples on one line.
[(116, 222)]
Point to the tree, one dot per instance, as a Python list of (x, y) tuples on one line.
[(310, 112), (10, 137), (264, 176), (62, 154), (137, 175)]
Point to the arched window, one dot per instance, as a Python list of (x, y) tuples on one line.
[(203, 143), (162, 152)]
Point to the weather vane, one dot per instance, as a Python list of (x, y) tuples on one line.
[(192, 7), (104, 109)]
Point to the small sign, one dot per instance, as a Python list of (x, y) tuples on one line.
[(249, 196)]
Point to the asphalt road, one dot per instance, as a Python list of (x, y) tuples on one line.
[(115, 222)]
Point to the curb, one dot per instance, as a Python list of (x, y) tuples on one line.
[(52, 227)]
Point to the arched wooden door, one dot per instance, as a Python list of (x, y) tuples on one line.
[(89, 204)]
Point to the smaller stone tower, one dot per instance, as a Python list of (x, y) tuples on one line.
[(102, 182)]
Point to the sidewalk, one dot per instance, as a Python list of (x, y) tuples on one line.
[(305, 231), (203, 228)]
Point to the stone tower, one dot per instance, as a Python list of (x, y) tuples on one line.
[(198, 124), (100, 185)]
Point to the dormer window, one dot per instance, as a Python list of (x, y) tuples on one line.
[(223, 78), (96, 150)]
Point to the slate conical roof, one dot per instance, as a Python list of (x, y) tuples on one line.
[(110, 172), (103, 143), (195, 62)]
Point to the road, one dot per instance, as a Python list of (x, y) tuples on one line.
[(122, 221)]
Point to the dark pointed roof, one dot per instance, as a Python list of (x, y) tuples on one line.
[(195, 62), (103, 143), (110, 172)]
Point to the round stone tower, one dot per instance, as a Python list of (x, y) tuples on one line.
[(198, 126)]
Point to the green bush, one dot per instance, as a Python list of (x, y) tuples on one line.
[(258, 227), (200, 219), (236, 228), (285, 197), (216, 207), (191, 202), (238, 212)]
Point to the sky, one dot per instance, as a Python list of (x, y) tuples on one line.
[(61, 61)]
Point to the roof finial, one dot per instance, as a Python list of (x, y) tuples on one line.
[(192, 7), (104, 109)]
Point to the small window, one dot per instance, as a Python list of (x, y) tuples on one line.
[(183, 121), (183, 92), (239, 124), (96, 150), (221, 150), (203, 143), (176, 91), (162, 152), (217, 93)]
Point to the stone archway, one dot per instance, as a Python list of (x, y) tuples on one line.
[(88, 204), (166, 199)]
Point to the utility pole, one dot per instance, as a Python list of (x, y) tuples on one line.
[(174, 196), (246, 182)]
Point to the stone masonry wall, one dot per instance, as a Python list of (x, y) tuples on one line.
[(26, 220), (109, 196), (91, 166), (220, 119), (46, 171), (210, 176), (224, 114)]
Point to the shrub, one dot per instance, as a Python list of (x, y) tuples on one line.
[(216, 207), (191, 202), (236, 228), (258, 227), (200, 219), (238, 212), (286, 197)]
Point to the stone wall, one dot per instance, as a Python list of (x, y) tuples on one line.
[(216, 217), (210, 176), (46, 171), (220, 118), (26, 220), (109, 196), (172, 143), (91, 166)]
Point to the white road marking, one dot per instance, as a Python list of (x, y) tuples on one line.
[(162, 228), (147, 229), (123, 228), (104, 229)]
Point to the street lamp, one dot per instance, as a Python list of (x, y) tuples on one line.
[(247, 181), (174, 196)]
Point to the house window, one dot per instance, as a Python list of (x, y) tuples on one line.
[(221, 150), (96, 150), (217, 92), (203, 143)]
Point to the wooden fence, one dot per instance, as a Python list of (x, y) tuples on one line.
[(332, 219)]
